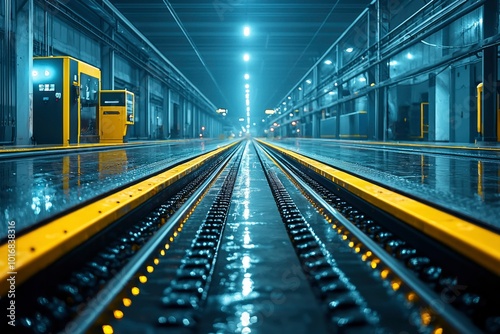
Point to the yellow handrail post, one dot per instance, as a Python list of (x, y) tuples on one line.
[(422, 106), (479, 108)]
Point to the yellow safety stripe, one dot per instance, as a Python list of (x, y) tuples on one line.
[(6, 149), (410, 144), (468, 239)]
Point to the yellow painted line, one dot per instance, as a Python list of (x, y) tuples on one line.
[(9, 149), (41, 247), (474, 242), (419, 145)]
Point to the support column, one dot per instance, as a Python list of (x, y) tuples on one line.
[(108, 63), (490, 74), (24, 65), (432, 107), (315, 124), (382, 74), (443, 89), (143, 124), (166, 112)]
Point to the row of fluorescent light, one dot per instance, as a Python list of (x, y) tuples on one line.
[(246, 58)]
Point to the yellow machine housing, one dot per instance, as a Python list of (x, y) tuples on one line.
[(65, 101), (116, 111), (480, 125)]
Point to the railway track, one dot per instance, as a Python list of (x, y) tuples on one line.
[(254, 241)]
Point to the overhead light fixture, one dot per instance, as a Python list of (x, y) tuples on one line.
[(247, 86), (308, 81), (328, 62), (246, 57), (246, 31), (349, 50), (247, 76), (409, 56)]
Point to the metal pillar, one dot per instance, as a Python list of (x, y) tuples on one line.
[(490, 74), (108, 62), (24, 66), (166, 113), (143, 113), (432, 107)]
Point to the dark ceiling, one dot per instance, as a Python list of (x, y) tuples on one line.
[(286, 39)]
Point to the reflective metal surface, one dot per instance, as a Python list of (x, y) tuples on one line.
[(258, 284), (465, 181), (36, 189)]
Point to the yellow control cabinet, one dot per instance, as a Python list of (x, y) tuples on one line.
[(116, 112), (65, 101)]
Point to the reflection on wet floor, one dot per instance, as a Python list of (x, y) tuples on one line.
[(464, 181), (258, 286), (34, 189)]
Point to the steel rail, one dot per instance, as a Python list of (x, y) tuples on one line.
[(453, 318), (98, 304)]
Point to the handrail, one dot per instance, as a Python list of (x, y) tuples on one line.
[(479, 108)]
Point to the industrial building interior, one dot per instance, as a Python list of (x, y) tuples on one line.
[(250, 166)]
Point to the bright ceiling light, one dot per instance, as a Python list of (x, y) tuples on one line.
[(247, 76), (246, 31), (246, 57), (247, 86), (308, 81), (409, 56), (349, 50), (328, 62)]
